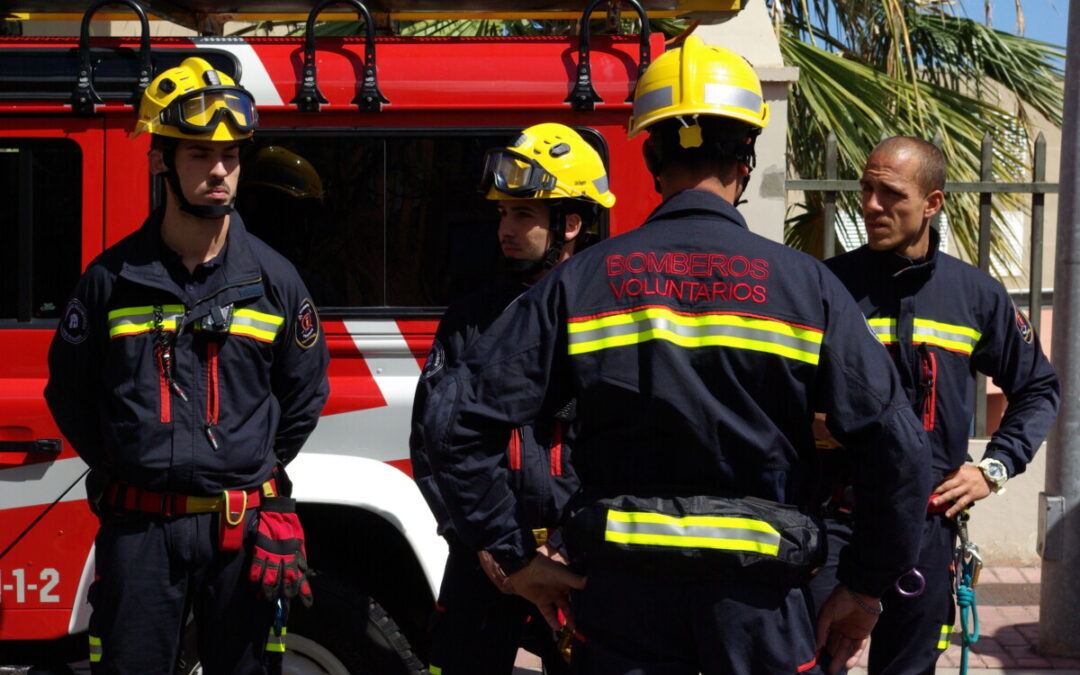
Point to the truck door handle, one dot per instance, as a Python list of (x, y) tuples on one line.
[(38, 446)]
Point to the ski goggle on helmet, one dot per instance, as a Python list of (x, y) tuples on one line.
[(547, 161), (194, 101)]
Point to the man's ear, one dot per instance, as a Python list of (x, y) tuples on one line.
[(573, 226), (157, 162), (934, 201)]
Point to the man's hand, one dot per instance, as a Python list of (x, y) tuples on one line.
[(822, 435), (843, 627), (495, 573), (963, 487), (551, 552), (547, 584)]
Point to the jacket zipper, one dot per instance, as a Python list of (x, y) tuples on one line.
[(514, 449), (164, 357), (556, 450), (213, 406), (929, 384)]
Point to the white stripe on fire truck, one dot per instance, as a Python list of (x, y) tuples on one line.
[(253, 76), (22, 484), (380, 433)]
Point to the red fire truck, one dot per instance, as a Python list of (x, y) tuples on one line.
[(386, 227)]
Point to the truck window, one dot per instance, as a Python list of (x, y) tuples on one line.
[(387, 223), (41, 225)]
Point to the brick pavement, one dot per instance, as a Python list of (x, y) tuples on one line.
[(1007, 599)]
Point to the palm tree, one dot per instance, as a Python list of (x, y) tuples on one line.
[(879, 68)]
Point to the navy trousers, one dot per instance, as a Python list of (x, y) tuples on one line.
[(645, 626), (912, 632), (151, 573), (476, 629)]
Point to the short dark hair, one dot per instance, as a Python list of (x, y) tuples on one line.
[(723, 146), (930, 173)]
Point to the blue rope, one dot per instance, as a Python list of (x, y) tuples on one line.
[(965, 599)]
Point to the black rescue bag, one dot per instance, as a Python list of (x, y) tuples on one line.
[(698, 538)]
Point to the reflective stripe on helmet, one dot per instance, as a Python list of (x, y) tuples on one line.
[(729, 95)]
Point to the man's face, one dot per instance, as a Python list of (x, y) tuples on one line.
[(208, 171), (895, 209), (524, 228)]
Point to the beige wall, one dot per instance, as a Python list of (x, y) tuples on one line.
[(750, 33)]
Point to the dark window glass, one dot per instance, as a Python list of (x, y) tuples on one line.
[(41, 226), (392, 220)]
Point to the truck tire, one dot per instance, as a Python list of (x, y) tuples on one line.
[(345, 632), (354, 628)]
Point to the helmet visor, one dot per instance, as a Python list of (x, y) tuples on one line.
[(201, 111), (514, 174)]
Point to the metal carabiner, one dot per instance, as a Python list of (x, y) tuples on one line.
[(920, 583)]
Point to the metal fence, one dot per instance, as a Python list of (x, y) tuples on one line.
[(987, 187)]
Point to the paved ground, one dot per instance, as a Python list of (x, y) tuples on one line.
[(1007, 599)]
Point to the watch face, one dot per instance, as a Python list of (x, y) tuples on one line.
[(995, 471)]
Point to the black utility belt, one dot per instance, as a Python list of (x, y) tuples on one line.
[(698, 537)]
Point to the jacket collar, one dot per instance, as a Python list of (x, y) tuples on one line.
[(903, 268), (696, 201), (145, 266)]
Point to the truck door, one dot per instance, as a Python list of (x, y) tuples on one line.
[(51, 196)]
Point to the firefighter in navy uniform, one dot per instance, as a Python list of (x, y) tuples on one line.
[(942, 321), (478, 623), (697, 353), (187, 370)]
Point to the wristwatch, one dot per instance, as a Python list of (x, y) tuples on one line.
[(995, 472)]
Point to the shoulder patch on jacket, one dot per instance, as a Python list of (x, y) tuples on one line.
[(307, 324), (1027, 332), (436, 359), (75, 325)]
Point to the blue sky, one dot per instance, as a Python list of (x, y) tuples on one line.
[(1045, 20)]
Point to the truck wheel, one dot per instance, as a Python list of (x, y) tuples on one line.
[(353, 628), (344, 633)]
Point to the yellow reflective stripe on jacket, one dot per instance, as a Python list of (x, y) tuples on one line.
[(711, 329), (95, 649), (945, 335), (715, 532), (943, 641), (885, 329), (132, 320), (435, 670), (258, 325)]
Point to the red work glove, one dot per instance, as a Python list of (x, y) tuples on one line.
[(279, 562)]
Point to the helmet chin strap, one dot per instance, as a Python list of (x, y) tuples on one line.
[(208, 211)]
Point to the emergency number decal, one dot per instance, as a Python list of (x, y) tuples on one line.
[(25, 588), (75, 325), (1024, 326), (436, 359), (307, 324)]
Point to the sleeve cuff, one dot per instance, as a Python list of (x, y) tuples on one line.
[(513, 556)]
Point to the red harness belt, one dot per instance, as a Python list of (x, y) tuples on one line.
[(231, 505)]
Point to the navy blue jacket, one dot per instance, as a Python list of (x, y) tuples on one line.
[(537, 458), (942, 321), (697, 352), (249, 356)]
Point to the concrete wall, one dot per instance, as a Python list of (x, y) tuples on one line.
[(1005, 526), (750, 33)]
